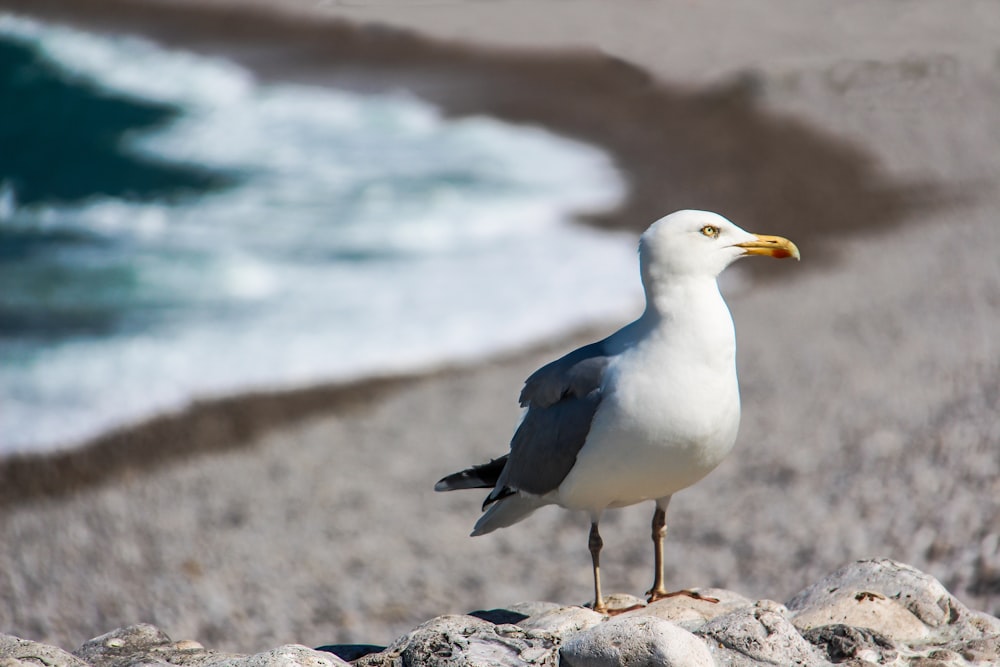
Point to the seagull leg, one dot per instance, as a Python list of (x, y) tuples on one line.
[(659, 526), (659, 590), (595, 543)]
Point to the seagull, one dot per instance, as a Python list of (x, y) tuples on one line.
[(641, 414)]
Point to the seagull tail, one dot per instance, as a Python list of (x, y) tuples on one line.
[(506, 512), (483, 476)]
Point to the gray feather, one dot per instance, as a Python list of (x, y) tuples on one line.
[(577, 374), (545, 446), (562, 398), (505, 513)]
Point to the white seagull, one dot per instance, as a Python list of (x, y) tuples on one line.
[(642, 414)]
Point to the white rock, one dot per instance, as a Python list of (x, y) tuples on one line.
[(17, 651), (690, 613), (875, 593), (290, 655), (467, 641), (864, 610), (636, 641), (760, 633), (841, 642), (564, 621)]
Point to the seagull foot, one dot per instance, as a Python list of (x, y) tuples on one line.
[(655, 595), (613, 611), (622, 610), (600, 609)]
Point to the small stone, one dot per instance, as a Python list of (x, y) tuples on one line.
[(944, 654), (509, 630), (842, 642), (564, 621), (532, 608), (535, 654), (459, 641), (188, 645), (619, 602), (885, 617), (929, 603), (761, 633), (985, 650), (290, 655), (16, 652), (923, 661), (691, 613), (138, 639), (638, 641)]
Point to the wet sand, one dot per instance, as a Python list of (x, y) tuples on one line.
[(870, 372)]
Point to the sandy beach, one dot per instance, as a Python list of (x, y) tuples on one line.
[(870, 373)]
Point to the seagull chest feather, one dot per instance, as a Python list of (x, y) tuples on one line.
[(670, 411)]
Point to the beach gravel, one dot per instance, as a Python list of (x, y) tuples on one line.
[(745, 633)]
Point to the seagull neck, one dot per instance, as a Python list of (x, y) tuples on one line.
[(682, 297)]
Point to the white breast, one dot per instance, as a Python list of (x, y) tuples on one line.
[(669, 414)]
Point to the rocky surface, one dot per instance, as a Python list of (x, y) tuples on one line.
[(871, 612)]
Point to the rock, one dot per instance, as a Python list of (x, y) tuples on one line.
[(986, 651), (869, 612), (290, 655), (532, 608), (757, 634), (620, 602), (453, 641), (15, 652), (690, 613), (563, 621), (842, 642), (865, 610), (893, 599), (635, 641), (141, 638), (146, 644)]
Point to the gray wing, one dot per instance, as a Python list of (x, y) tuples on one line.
[(575, 374), (562, 398)]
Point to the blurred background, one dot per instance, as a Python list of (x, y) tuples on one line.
[(161, 233), (269, 270)]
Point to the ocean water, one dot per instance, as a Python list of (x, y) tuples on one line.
[(173, 229)]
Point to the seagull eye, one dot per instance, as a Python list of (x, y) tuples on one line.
[(710, 231)]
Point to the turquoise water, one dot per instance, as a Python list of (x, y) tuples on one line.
[(172, 229)]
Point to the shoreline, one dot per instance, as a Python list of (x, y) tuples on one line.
[(680, 147), (224, 423), (649, 127)]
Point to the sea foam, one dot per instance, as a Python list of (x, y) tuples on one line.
[(362, 235)]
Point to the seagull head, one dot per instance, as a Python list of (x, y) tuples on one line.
[(701, 244)]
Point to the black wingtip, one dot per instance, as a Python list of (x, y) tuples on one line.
[(466, 479), (443, 484), (483, 476)]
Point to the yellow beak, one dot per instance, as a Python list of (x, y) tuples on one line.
[(771, 246)]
